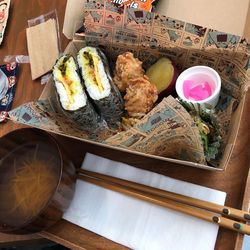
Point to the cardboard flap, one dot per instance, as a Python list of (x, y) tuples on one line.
[(247, 24), (43, 47), (228, 16), (73, 15)]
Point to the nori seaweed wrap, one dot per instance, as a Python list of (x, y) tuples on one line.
[(71, 95), (99, 85)]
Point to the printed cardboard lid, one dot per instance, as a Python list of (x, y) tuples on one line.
[(73, 19), (227, 16)]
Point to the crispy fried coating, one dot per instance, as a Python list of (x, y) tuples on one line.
[(127, 68), (129, 121), (140, 97)]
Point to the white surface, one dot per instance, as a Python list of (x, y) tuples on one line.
[(137, 224)]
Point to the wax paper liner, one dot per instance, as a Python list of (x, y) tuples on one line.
[(45, 17), (154, 134)]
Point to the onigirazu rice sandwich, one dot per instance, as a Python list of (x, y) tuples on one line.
[(99, 85), (71, 95)]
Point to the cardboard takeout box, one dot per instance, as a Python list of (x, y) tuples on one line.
[(150, 36)]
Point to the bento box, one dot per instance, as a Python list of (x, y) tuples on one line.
[(167, 132)]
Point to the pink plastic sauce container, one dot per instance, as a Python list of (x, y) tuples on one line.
[(199, 84)]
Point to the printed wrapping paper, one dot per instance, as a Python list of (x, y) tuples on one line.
[(150, 36), (168, 130), (4, 14), (8, 82), (43, 115), (137, 4), (152, 135)]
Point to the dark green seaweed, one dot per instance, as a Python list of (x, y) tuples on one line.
[(111, 107), (86, 117)]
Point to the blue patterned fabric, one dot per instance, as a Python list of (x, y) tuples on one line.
[(246, 242), (8, 79)]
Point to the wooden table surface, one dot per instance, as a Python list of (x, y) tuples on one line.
[(234, 181)]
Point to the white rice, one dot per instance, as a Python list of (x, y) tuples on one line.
[(93, 90), (79, 97)]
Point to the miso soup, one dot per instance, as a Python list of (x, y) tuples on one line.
[(29, 176)]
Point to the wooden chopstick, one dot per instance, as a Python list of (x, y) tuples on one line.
[(168, 203), (224, 210)]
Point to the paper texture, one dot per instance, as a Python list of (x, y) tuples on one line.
[(168, 130), (43, 47), (4, 14), (226, 15), (151, 36), (73, 15), (247, 24), (138, 224)]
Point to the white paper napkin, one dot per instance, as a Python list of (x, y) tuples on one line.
[(138, 224)]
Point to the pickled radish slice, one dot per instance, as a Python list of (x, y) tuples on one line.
[(196, 92)]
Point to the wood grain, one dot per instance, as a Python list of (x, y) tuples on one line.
[(15, 43), (233, 180)]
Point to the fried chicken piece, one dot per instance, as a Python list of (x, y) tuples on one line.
[(140, 97), (129, 121), (127, 68)]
